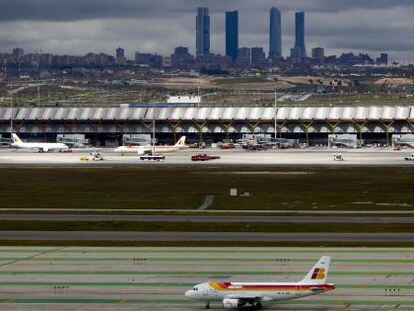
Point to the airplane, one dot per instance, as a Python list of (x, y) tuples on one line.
[(141, 150), (41, 147), (239, 295)]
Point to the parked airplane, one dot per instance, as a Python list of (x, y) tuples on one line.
[(149, 149), (238, 295), (41, 147)]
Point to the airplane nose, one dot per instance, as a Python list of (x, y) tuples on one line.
[(188, 294)]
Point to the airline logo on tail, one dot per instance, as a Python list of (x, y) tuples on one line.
[(181, 142), (16, 139), (318, 274)]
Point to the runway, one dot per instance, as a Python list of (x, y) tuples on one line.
[(112, 279), (168, 236), (311, 156), (210, 219)]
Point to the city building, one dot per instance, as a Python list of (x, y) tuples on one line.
[(232, 34), (258, 57), (120, 56), (318, 55), (244, 57), (300, 33), (296, 56), (181, 57), (148, 59), (202, 32), (275, 34), (17, 54), (383, 59)]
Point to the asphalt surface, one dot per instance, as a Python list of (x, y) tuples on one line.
[(155, 279), (210, 219), (204, 236), (311, 156)]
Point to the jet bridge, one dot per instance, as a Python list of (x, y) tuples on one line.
[(403, 140), (344, 141)]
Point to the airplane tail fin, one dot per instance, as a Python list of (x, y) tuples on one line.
[(15, 139), (180, 142), (319, 273)]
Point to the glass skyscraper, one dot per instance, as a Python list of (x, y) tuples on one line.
[(275, 38), (202, 32), (300, 33), (232, 34)]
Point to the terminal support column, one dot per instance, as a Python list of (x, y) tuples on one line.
[(121, 125), (147, 125), (69, 125), (359, 125), (226, 126), (387, 126), (174, 126), (306, 126), (253, 126), (333, 126), (200, 126), (280, 125), (43, 125)]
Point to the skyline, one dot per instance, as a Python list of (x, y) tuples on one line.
[(335, 26)]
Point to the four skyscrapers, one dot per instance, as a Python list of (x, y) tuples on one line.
[(232, 34)]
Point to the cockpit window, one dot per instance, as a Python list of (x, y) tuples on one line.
[(195, 289)]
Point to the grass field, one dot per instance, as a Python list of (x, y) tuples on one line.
[(175, 187)]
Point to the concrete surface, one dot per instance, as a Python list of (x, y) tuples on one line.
[(204, 236), (311, 156), (103, 279)]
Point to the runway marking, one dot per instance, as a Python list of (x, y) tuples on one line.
[(375, 302), (177, 284), (195, 273), (191, 259), (206, 204)]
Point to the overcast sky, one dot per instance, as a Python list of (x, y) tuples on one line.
[(81, 26)]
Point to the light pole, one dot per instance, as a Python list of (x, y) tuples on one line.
[(11, 114), (275, 112)]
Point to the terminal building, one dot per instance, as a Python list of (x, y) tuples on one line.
[(106, 126)]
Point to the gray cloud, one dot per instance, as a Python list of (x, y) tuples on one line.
[(80, 26)]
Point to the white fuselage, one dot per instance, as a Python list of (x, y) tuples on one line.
[(41, 147), (214, 291), (147, 149)]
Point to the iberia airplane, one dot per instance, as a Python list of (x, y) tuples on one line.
[(41, 147), (238, 295), (180, 145)]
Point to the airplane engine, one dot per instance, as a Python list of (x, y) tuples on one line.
[(230, 303)]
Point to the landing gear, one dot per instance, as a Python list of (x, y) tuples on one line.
[(208, 305), (257, 306)]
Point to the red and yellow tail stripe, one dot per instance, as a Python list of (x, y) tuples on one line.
[(228, 286)]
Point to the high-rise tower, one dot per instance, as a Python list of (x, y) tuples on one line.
[(232, 34), (300, 33), (275, 37), (203, 32)]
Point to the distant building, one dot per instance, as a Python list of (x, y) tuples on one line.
[(184, 100), (383, 59), (120, 56), (258, 57), (245, 57), (17, 53), (275, 34), (181, 57), (202, 32), (296, 56), (300, 33), (147, 59), (318, 55), (232, 34)]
